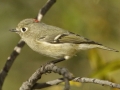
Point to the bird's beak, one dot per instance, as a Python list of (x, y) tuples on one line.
[(14, 30)]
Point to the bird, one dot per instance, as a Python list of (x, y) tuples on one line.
[(53, 41)]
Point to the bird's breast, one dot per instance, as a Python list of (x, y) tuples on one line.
[(64, 50)]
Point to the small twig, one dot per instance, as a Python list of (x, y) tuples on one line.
[(97, 81), (77, 79), (48, 84), (10, 61), (67, 84), (45, 69)]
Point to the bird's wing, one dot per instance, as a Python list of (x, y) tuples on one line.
[(74, 39), (52, 34), (71, 38)]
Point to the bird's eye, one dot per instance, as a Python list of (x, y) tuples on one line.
[(24, 29)]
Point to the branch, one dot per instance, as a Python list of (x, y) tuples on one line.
[(97, 81), (48, 68), (48, 84), (44, 9), (10, 61), (77, 79)]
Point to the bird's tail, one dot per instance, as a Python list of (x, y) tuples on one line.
[(107, 48), (84, 46)]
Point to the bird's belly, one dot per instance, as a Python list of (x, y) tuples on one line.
[(65, 50)]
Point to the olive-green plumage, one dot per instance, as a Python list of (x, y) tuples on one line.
[(53, 41)]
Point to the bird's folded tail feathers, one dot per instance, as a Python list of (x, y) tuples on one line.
[(107, 48), (84, 46)]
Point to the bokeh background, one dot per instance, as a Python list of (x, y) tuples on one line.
[(98, 20)]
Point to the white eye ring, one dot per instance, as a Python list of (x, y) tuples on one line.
[(24, 29)]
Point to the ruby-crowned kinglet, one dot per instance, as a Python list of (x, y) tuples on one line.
[(53, 41)]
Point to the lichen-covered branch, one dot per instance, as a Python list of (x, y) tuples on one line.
[(96, 81), (48, 68), (77, 79)]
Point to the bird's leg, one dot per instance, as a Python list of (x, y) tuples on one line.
[(57, 60), (53, 62)]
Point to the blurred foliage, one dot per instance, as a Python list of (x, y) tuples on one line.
[(97, 20), (102, 69)]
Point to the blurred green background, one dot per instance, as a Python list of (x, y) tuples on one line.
[(97, 20)]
